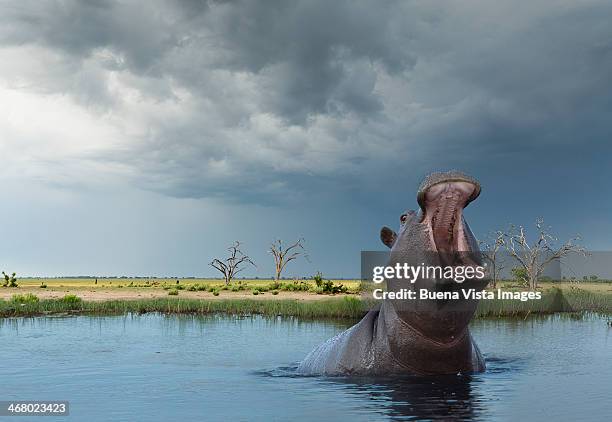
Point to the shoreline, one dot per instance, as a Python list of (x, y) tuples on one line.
[(109, 294), (295, 304)]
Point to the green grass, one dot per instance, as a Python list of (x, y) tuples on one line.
[(553, 300), (347, 307)]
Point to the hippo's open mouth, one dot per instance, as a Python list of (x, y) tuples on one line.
[(442, 201)]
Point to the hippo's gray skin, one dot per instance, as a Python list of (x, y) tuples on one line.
[(421, 337)]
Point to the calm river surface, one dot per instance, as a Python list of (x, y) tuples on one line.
[(187, 368)]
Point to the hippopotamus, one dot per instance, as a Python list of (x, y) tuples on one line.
[(417, 337)]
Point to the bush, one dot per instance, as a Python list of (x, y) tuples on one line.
[(193, 288), (294, 286), (173, 292), (71, 299), (327, 286), (25, 299), (43, 285), (255, 292), (274, 292), (240, 285), (215, 292), (318, 279), (9, 281), (274, 285), (520, 275)]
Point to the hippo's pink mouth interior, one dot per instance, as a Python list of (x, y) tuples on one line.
[(442, 205)]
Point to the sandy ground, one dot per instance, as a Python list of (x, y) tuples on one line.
[(134, 294)]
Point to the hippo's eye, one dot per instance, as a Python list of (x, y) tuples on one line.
[(403, 218)]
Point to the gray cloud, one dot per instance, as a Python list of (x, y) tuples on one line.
[(256, 101)]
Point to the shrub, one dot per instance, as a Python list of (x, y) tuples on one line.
[(215, 292), (295, 286), (43, 285), (274, 292), (318, 279), (255, 292), (327, 286), (71, 299), (274, 285), (25, 299), (9, 281), (520, 275), (192, 288), (173, 292)]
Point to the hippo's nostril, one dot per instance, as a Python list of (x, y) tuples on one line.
[(434, 184)]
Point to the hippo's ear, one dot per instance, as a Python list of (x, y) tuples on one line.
[(387, 236)]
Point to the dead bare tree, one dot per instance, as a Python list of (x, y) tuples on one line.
[(232, 265), (284, 255), (491, 247), (535, 257)]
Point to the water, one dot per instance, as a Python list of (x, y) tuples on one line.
[(187, 368)]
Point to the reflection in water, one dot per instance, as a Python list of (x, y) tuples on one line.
[(448, 397), (194, 368)]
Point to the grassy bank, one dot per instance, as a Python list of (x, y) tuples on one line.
[(346, 307), (553, 300)]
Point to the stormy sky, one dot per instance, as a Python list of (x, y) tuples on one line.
[(143, 137)]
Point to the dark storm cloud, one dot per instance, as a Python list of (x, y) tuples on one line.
[(258, 100), (78, 27)]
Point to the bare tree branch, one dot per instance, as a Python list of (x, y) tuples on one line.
[(491, 248), (284, 255), (535, 257), (233, 264)]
